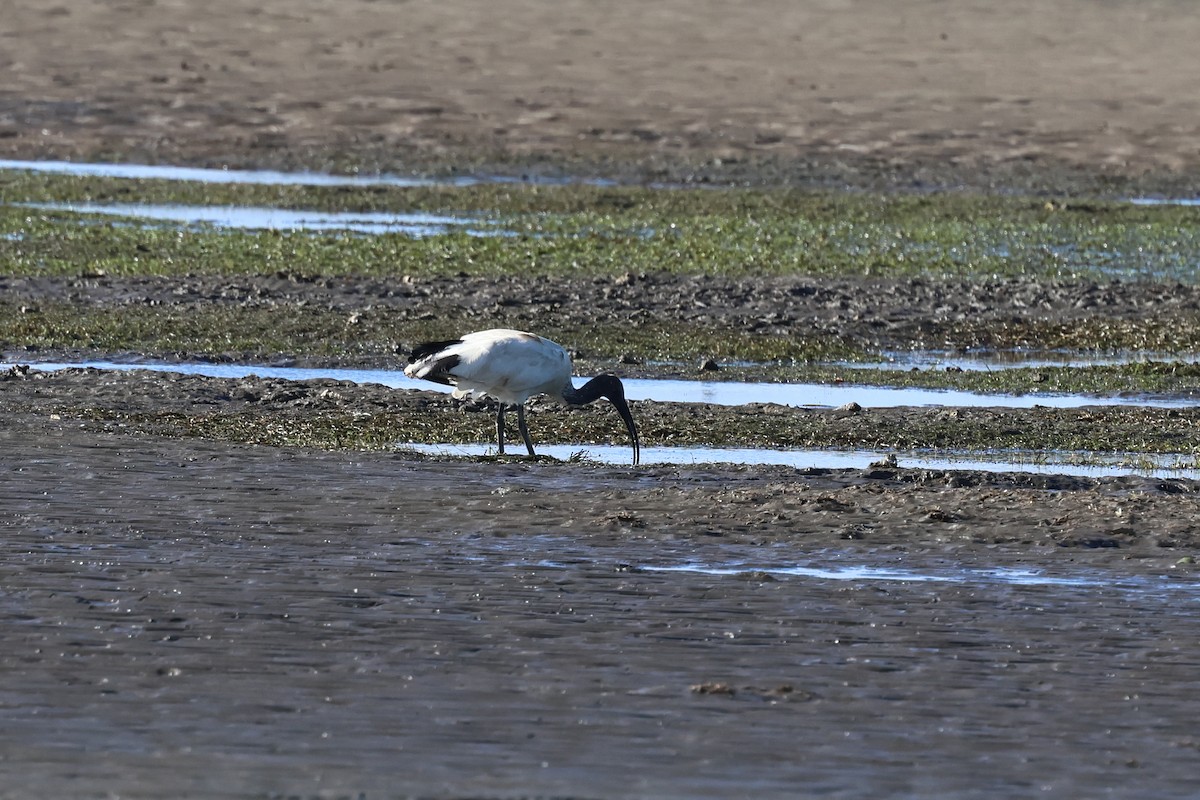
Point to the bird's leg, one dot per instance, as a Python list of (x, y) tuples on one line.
[(524, 430), (500, 429)]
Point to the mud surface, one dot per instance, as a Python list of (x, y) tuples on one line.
[(882, 315), (337, 414), (192, 618), (183, 615)]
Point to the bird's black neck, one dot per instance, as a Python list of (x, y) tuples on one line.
[(600, 386), (609, 386)]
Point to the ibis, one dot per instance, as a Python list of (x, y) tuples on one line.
[(511, 367)]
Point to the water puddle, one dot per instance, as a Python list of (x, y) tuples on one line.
[(722, 393), (1166, 201), (262, 218), (848, 566), (1083, 465), (996, 360), (1018, 577), (953, 575), (271, 177)]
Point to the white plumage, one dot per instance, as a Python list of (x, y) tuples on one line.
[(511, 367)]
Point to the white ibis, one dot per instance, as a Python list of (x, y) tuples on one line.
[(511, 367)]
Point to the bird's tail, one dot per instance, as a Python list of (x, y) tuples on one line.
[(427, 349), (431, 362)]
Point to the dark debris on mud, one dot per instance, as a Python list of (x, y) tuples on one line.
[(873, 314), (339, 414)]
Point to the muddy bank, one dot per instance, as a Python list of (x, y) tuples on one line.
[(1140, 518), (865, 314), (834, 94), (340, 414)]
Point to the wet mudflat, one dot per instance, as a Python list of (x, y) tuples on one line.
[(189, 617), (240, 588)]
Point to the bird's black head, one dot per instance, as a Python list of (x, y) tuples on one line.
[(610, 388)]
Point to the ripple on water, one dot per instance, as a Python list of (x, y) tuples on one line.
[(1090, 580), (730, 560)]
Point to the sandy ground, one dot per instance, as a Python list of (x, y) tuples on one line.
[(191, 618), (840, 89)]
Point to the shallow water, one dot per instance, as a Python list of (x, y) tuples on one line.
[(995, 360), (1166, 201), (200, 175), (263, 218), (266, 177), (725, 393), (848, 567), (1040, 463)]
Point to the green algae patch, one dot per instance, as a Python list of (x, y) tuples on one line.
[(581, 229), (230, 332), (584, 265), (291, 331)]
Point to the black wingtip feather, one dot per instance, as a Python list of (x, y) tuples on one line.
[(429, 348), (439, 371)]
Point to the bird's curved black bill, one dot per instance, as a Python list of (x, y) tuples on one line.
[(623, 409), (610, 388)]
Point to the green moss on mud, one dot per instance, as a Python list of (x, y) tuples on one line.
[(580, 229), (293, 331)]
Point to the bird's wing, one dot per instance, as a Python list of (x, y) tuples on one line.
[(510, 366)]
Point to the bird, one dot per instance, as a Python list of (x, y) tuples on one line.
[(511, 367)]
